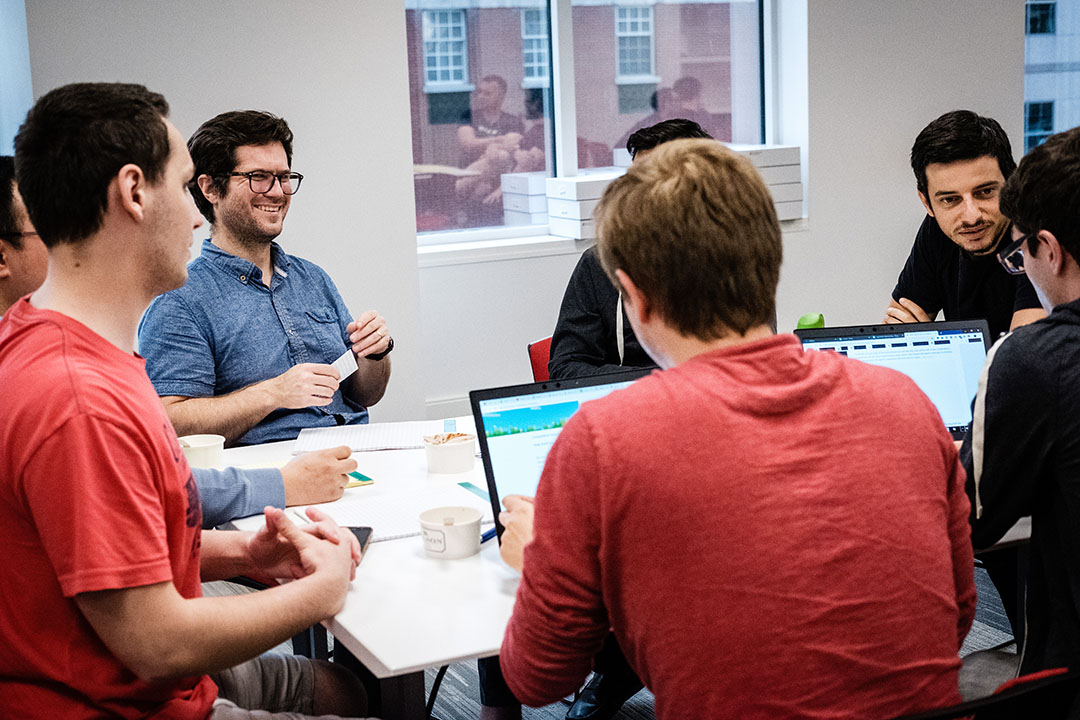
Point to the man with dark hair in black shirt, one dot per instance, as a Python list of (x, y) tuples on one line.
[(961, 161), (1021, 455), (592, 335)]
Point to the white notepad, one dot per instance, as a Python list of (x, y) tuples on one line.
[(373, 436), (398, 515)]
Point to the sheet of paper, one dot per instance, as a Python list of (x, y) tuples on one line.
[(346, 364), (376, 436), (398, 515)]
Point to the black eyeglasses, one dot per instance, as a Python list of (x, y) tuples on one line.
[(1011, 256), (262, 182), (16, 235)]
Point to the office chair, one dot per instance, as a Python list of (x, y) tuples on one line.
[(1047, 695), (539, 353)]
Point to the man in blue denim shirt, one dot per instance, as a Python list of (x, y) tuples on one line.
[(245, 348)]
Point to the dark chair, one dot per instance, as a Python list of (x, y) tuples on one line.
[(1047, 695), (539, 353)]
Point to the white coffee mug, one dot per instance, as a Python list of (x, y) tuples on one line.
[(451, 532), (451, 457), (203, 451)]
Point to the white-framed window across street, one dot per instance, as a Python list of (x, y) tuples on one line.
[(634, 42), (534, 48), (483, 89), (446, 55), (1041, 18)]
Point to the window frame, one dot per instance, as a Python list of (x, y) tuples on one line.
[(1049, 20), (543, 39), (646, 78), (485, 240), (1041, 133), (451, 85)]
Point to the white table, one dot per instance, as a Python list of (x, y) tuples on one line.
[(405, 611)]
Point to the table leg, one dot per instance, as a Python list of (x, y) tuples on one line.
[(396, 698)]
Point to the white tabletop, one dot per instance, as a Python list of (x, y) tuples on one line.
[(406, 611)]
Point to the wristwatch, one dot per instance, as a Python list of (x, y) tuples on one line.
[(384, 353)]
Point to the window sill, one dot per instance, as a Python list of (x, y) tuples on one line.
[(530, 246), (482, 251), (449, 88)]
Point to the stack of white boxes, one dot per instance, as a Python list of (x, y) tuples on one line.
[(524, 201), (781, 170), (571, 201)]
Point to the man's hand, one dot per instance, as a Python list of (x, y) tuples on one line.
[(281, 549), (904, 311), (305, 385), (517, 521), (368, 334), (317, 477)]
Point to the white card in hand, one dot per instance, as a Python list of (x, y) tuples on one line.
[(346, 364)]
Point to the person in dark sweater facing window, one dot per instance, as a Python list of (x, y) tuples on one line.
[(592, 335)]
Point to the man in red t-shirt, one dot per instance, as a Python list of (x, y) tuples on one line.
[(100, 606), (769, 532)]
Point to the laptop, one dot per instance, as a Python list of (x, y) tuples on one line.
[(517, 425), (943, 358)]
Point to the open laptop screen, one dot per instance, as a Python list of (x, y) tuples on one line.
[(517, 425), (943, 358)]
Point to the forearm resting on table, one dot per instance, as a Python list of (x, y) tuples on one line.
[(158, 634), (229, 415)]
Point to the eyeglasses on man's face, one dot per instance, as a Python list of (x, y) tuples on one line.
[(262, 182), (1011, 256), (16, 235)]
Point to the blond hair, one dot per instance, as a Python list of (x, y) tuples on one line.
[(693, 225)]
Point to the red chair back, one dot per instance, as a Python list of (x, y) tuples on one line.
[(539, 353)]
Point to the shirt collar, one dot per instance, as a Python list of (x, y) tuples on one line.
[(238, 267)]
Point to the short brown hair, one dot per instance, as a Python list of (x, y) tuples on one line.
[(694, 227)]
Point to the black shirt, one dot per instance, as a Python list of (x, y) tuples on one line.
[(585, 338), (938, 275)]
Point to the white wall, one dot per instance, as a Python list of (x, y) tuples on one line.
[(878, 72), (336, 70)]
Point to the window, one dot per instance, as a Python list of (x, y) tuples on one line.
[(634, 35), (481, 91), (1038, 123), (445, 56), (534, 48), (1041, 18)]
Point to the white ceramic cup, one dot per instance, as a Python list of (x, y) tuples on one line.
[(450, 533), (203, 451), (451, 457)]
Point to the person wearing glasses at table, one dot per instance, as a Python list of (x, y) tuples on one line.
[(1021, 454), (961, 161), (244, 349), (23, 257)]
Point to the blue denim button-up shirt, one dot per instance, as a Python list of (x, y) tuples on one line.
[(224, 330)]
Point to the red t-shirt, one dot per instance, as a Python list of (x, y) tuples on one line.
[(95, 494), (771, 533)]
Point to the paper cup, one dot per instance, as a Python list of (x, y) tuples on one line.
[(450, 533), (203, 451), (451, 457)]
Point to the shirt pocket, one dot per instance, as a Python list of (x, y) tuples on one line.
[(326, 340)]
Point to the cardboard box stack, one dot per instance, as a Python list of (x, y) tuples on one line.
[(524, 201), (781, 170), (571, 201)]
